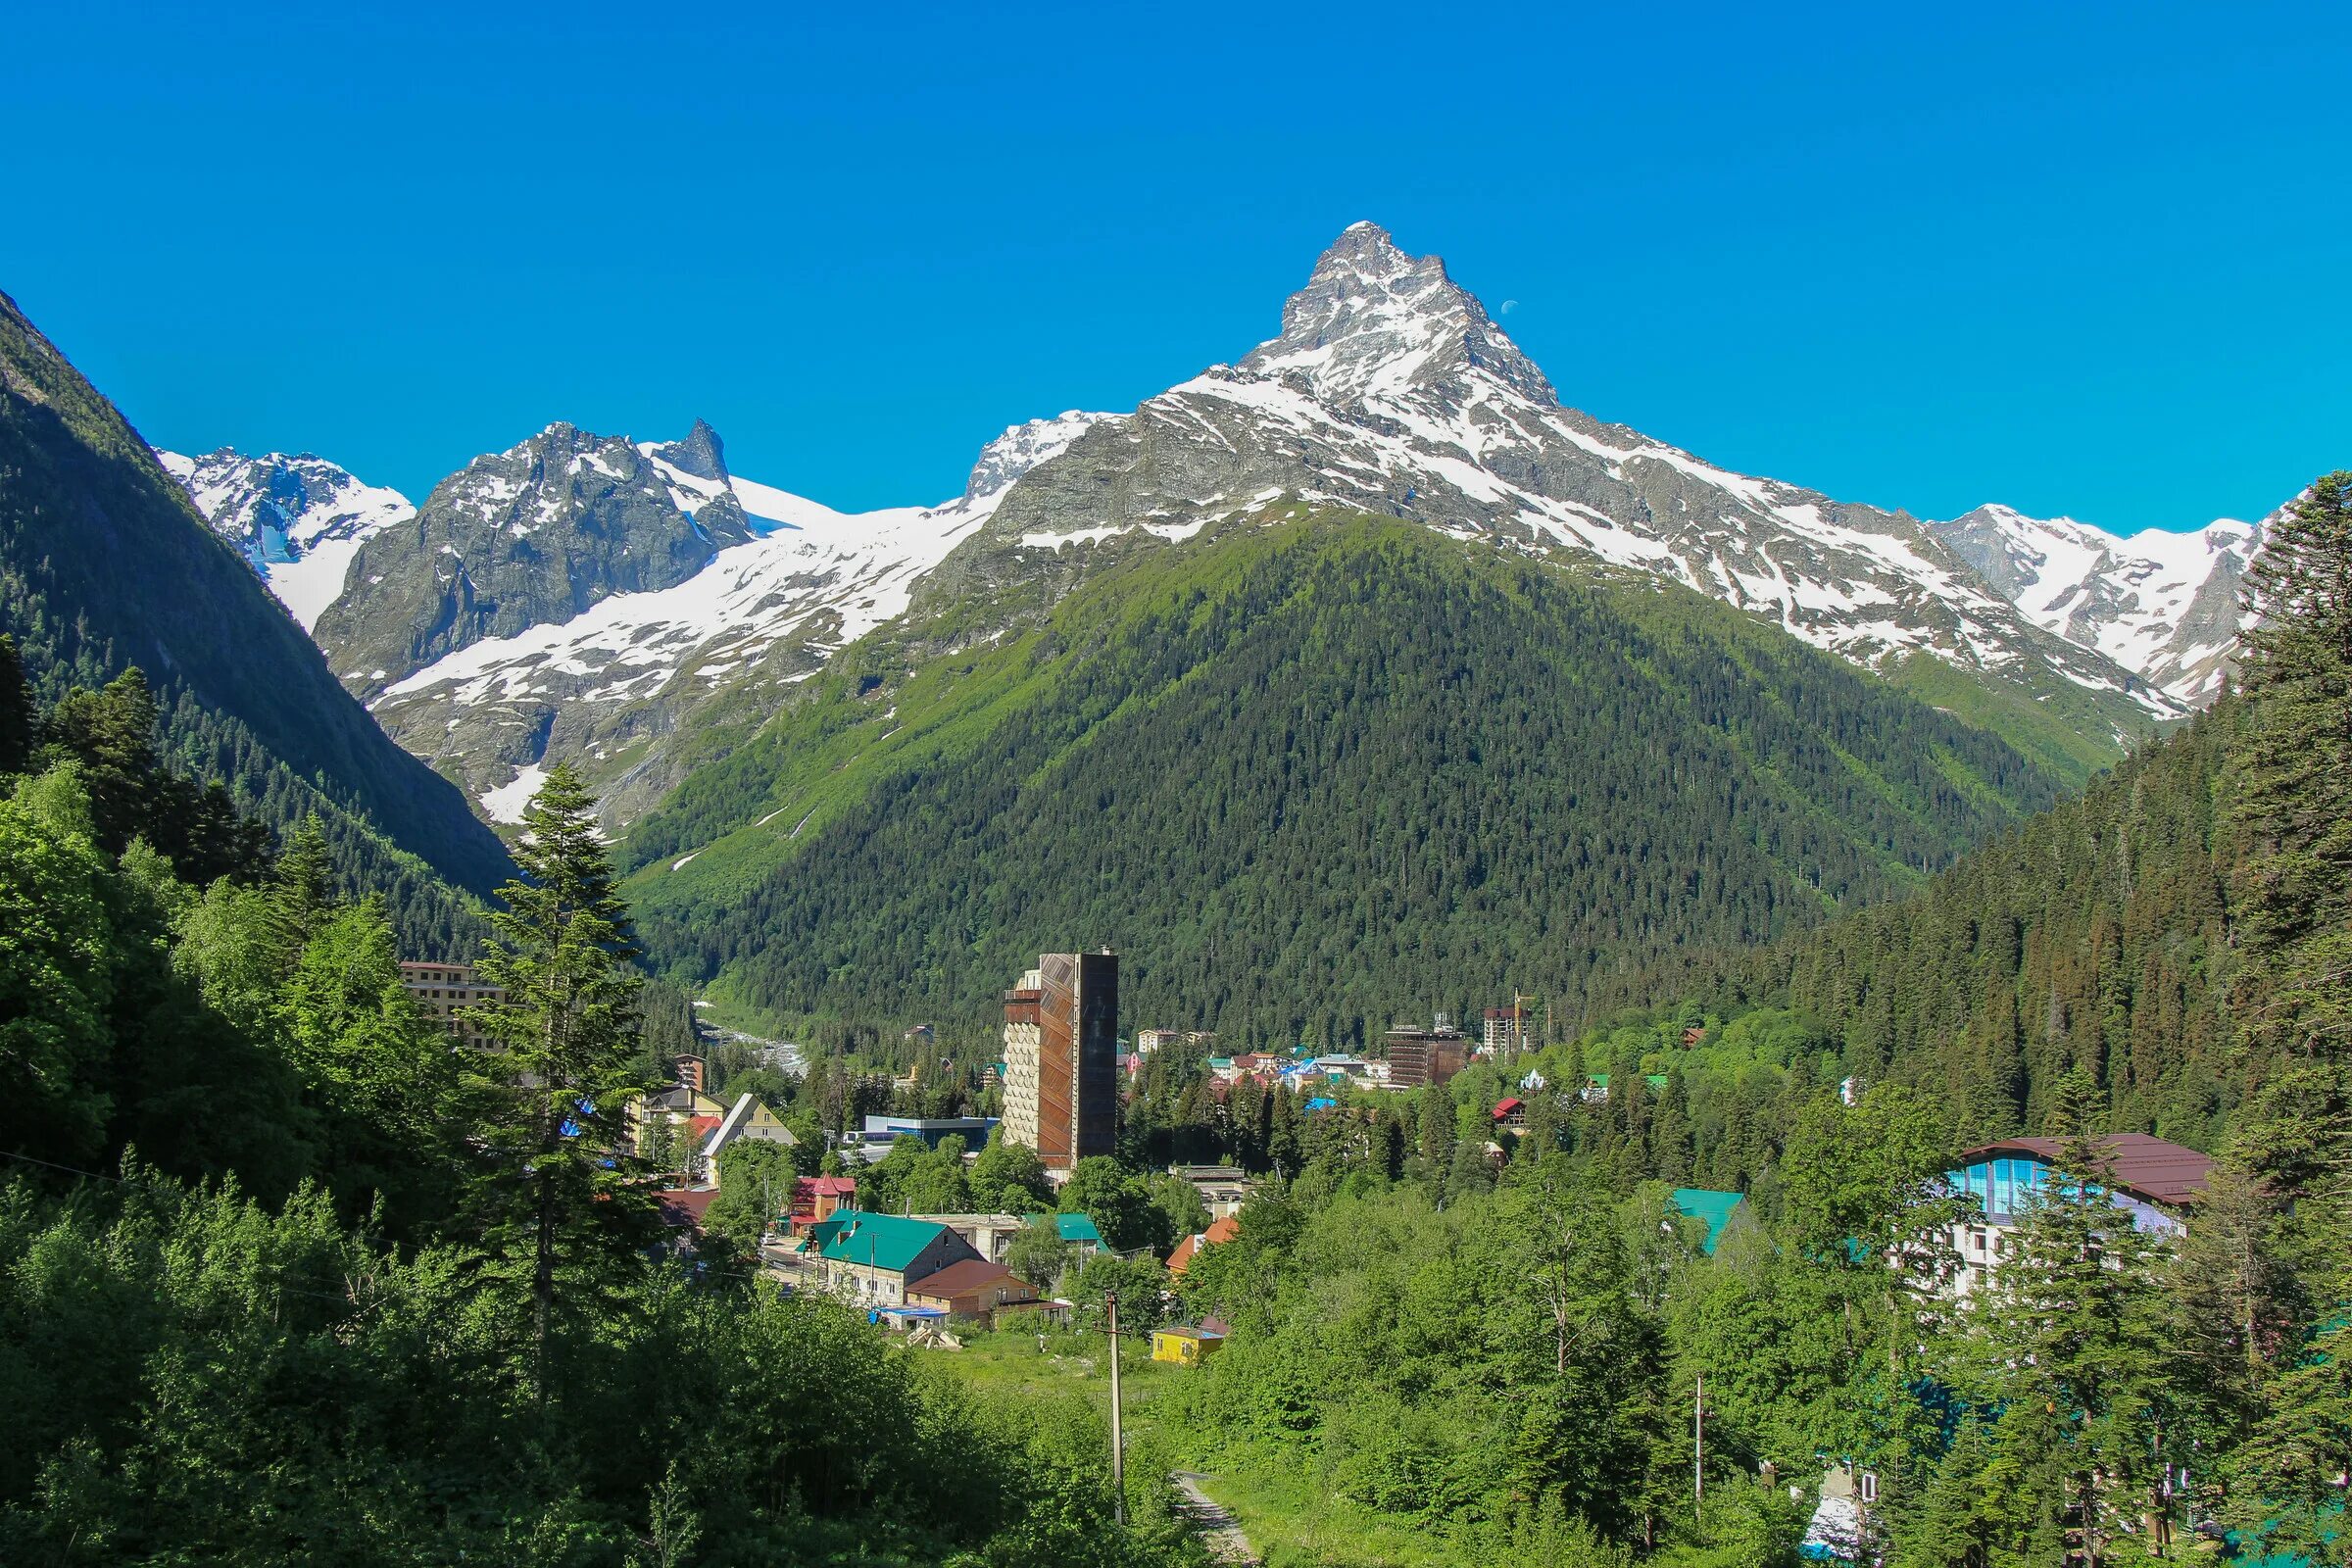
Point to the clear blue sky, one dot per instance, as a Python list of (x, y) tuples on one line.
[(2093, 260)]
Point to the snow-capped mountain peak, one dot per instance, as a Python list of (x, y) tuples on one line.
[(1373, 322), (780, 583), (1023, 447), (1391, 390), (298, 518), (2163, 604)]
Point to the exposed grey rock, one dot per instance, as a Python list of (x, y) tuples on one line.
[(1390, 390), (645, 683), (532, 535), (2166, 605), (297, 521)]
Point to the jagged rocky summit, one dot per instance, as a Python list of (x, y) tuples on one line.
[(615, 600)]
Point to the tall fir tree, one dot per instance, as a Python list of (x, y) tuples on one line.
[(2293, 785), (2073, 1343), (302, 887), (564, 1209), (2293, 800), (20, 719)]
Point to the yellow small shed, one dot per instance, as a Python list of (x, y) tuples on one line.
[(1184, 1346)]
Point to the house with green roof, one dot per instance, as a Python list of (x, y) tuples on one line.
[(1076, 1229), (1699, 1202), (870, 1259)]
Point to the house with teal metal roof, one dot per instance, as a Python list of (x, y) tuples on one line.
[(872, 1258), (1077, 1230), (1698, 1203)]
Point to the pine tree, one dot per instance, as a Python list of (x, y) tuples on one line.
[(113, 734), (302, 887), (2293, 783), (19, 721), (1437, 1137), (2232, 1300), (2294, 788), (2072, 1330), (562, 1208)]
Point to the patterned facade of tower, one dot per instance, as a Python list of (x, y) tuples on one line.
[(1061, 1065)]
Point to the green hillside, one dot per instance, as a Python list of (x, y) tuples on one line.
[(2097, 937), (2110, 935), (1320, 774), (105, 565)]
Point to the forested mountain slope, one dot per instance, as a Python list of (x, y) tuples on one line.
[(1319, 771), (105, 564), (2113, 934), (2095, 936)]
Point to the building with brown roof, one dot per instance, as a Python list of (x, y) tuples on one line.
[(1191, 1247), (2154, 1180), (973, 1288)]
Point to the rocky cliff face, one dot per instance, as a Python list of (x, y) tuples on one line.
[(641, 683), (534, 536), (297, 521)]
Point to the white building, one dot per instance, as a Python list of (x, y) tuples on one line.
[(1022, 1032)]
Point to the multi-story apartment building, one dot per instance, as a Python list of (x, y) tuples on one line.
[(1147, 1041), (1419, 1058), (1509, 1031), (1021, 1027), (447, 991), (1061, 1043)]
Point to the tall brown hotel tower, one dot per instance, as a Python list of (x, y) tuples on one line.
[(1061, 1058)]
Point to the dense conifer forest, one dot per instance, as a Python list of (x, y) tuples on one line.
[(1324, 777)]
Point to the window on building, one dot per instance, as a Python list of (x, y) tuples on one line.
[(1870, 1486)]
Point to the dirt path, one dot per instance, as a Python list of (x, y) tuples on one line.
[(1226, 1543)]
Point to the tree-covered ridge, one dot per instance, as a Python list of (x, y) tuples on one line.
[(2097, 935), (2130, 934), (1330, 773), (105, 565), (289, 1276)]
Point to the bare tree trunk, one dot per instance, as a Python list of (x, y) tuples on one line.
[(543, 1285)]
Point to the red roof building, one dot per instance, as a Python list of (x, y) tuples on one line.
[(683, 1207), (818, 1197)]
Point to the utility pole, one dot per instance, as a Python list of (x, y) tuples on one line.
[(1118, 1447), (1699, 1445)]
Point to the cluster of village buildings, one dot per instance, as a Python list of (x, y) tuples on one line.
[(1062, 1076)]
